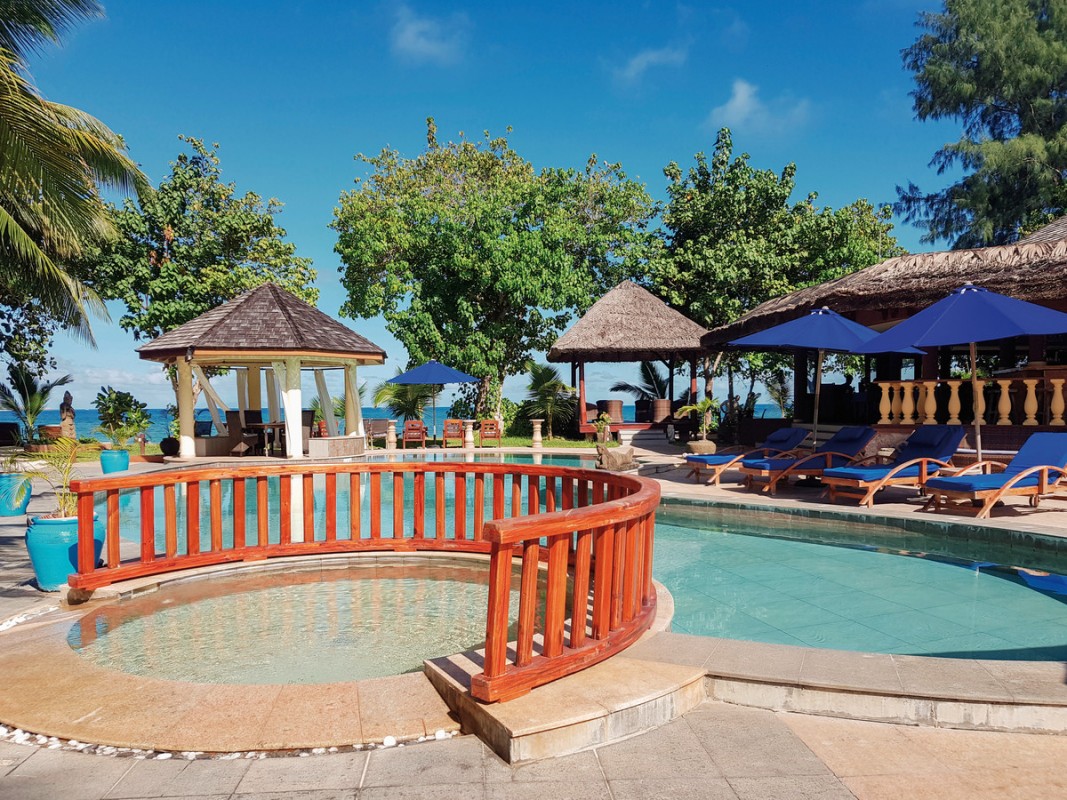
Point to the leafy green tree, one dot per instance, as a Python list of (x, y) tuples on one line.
[(26, 396), (53, 159), (476, 259), (192, 245), (734, 240), (549, 397), (999, 67), (407, 400)]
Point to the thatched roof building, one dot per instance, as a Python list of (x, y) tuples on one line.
[(1033, 270), (629, 323)]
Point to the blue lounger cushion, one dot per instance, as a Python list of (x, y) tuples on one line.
[(978, 482), (1045, 449), (781, 439), (871, 474), (929, 441), (847, 441)]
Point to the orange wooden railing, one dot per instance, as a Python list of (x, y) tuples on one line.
[(590, 548)]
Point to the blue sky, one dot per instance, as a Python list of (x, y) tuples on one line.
[(293, 90)]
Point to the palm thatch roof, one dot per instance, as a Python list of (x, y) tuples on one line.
[(262, 323), (1033, 271), (1055, 231), (629, 323)]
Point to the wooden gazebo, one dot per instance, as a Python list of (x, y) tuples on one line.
[(628, 324), (265, 332)]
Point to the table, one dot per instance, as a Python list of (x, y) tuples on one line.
[(271, 432)]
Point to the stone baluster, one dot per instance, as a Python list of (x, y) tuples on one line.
[(930, 403), (954, 402), (1004, 402), (898, 400), (390, 435), (979, 404), (885, 405), (537, 440), (1056, 405), (1030, 403), (907, 403), (468, 434)]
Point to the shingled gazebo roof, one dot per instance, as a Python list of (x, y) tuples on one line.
[(262, 324), (1035, 271), (629, 323)]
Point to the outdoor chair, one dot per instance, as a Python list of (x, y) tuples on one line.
[(922, 455), (453, 429), (1036, 470), (839, 450), (783, 440), (490, 429), (375, 429), (414, 431)]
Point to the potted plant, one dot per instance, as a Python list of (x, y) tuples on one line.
[(121, 418), (52, 538), (703, 408), (14, 491), (603, 427)]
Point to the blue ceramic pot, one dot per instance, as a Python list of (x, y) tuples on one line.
[(53, 546), (10, 504), (114, 460)]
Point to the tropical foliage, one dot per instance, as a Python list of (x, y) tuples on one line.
[(57, 466), (478, 260), (53, 160), (406, 400), (654, 383), (997, 67), (121, 415), (548, 397), (26, 396), (704, 408)]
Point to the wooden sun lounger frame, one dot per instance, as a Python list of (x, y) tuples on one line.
[(990, 497), (866, 490), (697, 467), (805, 465)]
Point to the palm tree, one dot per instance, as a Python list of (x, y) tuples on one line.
[(53, 158), (703, 407), (407, 400), (654, 384), (26, 397), (549, 396), (778, 388)]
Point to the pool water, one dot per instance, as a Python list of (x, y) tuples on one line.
[(297, 627), (739, 584)]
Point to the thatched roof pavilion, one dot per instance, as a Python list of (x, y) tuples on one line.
[(628, 324), (271, 330), (892, 290)]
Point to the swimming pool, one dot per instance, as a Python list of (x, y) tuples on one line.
[(741, 583)]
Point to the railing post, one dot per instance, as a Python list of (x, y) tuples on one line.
[(930, 408), (1004, 402), (907, 403), (1030, 404), (954, 402), (885, 405), (1056, 403), (86, 545), (496, 625), (898, 402)]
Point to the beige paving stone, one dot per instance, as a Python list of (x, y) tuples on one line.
[(778, 663), (948, 677), (336, 771), (976, 750), (897, 787), (680, 788), (11, 755), (675, 750), (548, 791), (51, 775), (837, 669), (579, 767), (180, 778), (296, 719), (223, 719), (313, 794), (674, 648), (795, 787), (458, 761), (404, 706)]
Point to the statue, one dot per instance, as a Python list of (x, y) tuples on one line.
[(66, 417), (618, 459)]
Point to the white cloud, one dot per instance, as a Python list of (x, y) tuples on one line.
[(640, 63), (745, 110), (426, 40)]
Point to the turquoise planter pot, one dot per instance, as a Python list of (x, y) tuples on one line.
[(10, 484), (114, 460), (53, 546)]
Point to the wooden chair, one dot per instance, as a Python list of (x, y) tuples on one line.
[(375, 429), (489, 429), (453, 429), (414, 431)]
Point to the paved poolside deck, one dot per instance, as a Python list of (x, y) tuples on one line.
[(714, 750)]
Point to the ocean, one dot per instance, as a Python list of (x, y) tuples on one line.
[(86, 419)]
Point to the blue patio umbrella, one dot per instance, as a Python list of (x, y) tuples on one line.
[(969, 315), (821, 330), (435, 374)]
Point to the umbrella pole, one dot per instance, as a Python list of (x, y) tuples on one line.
[(434, 411), (818, 391), (974, 400)]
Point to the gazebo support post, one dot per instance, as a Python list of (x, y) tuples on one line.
[(582, 415), (292, 404), (353, 413), (692, 380), (255, 391), (186, 446)]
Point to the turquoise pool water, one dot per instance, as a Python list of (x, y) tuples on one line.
[(743, 584)]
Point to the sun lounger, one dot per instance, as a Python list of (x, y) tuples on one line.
[(1034, 471), (837, 451), (926, 452), (783, 440)]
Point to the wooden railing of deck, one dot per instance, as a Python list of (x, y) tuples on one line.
[(590, 546)]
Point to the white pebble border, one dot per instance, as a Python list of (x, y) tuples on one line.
[(19, 736)]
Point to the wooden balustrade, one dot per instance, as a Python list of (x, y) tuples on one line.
[(1019, 401), (583, 540)]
